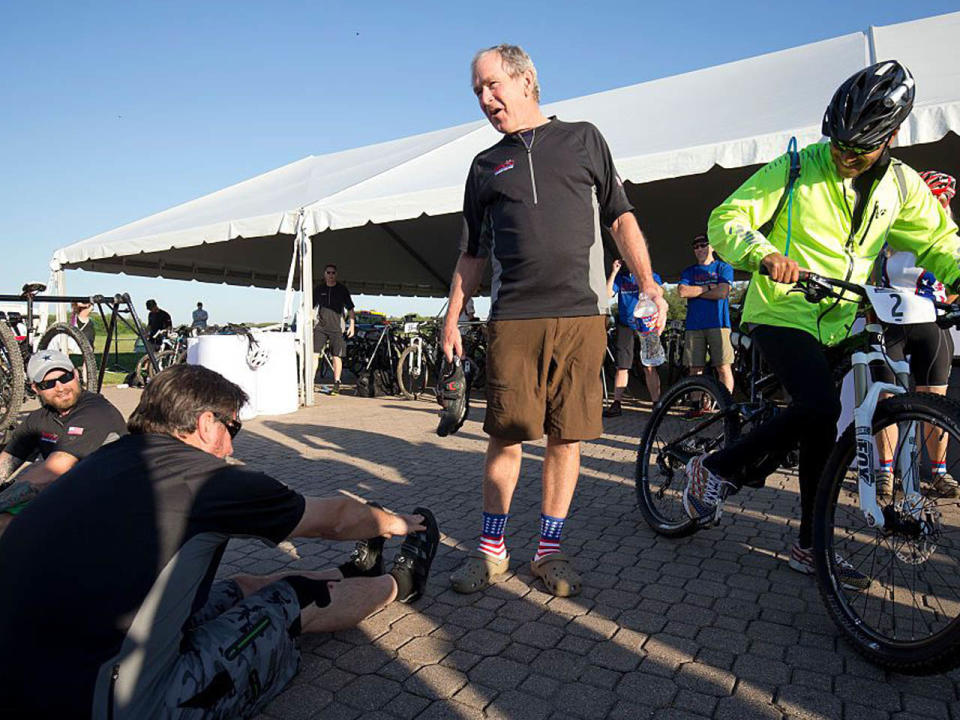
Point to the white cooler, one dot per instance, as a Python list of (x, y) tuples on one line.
[(277, 378), (272, 388), (227, 355)]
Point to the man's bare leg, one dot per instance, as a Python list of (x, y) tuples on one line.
[(652, 378), (500, 474), (337, 368), (725, 373), (561, 470), (351, 600)]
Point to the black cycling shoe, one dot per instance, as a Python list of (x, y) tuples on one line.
[(366, 560), (453, 393), (411, 566)]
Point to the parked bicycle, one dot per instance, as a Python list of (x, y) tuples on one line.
[(420, 361), (170, 349), (906, 619), (18, 342)]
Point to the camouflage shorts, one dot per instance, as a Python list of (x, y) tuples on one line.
[(238, 653)]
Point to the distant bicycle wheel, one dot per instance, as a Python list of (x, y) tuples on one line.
[(144, 371), (903, 611), (412, 372), (67, 339), (693, 417), (11, 377)]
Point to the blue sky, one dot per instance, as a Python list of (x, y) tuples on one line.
[(111, 111)]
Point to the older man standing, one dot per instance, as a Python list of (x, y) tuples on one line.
[(533, 205)]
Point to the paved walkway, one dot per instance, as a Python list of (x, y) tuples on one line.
[(710, 626)]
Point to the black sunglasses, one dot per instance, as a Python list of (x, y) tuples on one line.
[(232, 425), (63, 380), (699, 245), (853, 149)]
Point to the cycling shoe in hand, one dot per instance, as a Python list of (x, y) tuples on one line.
[(453, 393)]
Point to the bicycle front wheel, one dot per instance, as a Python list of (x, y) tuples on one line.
[(69, 340), (693, 417), (412, 372), (11, 378), (907, 618)]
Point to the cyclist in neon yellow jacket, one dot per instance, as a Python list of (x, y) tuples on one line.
[(849, 199), (824, 238)]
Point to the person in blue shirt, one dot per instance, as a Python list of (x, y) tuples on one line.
[(622, 284), (706, 286)]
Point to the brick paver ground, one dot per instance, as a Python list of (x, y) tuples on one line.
[(713, 626)]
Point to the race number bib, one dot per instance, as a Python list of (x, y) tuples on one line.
[(411, 327), (899, 307)]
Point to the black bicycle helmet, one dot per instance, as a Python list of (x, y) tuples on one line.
[(870, 105)]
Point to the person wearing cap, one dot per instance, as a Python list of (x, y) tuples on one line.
[(706, 287), (69, 425)]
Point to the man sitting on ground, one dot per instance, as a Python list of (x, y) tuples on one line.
[(115, 597), (69, 425)]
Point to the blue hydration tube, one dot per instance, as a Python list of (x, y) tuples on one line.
[(794, 174)]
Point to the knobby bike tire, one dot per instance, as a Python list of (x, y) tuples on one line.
[(12, 378), (938, 652), (88, 365), (411, 385), (666, 411)]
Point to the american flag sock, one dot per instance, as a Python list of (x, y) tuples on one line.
[(491, 539), (939, 468), (550, 530), (886, 465)]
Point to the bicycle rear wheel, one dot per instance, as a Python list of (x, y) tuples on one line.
[(69, 340), (908, 618), (412, 372), (11, 378), (693, 417)]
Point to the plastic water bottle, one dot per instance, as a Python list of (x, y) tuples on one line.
[(651, 351)]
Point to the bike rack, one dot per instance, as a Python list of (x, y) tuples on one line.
[(118, 305)]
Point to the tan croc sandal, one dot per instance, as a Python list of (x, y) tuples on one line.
[(557, 574), (477, 572)]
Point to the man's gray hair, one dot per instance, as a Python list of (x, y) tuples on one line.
[(515, 61)]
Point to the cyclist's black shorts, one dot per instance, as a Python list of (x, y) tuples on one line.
[(338, 346), (625, 344), (929, 347)]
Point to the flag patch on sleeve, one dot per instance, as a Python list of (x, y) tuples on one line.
[(75, 431)]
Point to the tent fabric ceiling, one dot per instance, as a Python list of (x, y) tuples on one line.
[(388, 214)]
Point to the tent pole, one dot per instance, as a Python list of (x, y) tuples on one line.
[(872, 45), (306, 311)]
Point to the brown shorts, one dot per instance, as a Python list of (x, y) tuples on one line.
[(696, 343), (543, 377)]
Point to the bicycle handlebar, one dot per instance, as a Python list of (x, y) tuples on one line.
[(951, 312)]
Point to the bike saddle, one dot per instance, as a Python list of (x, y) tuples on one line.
[(32, 289)]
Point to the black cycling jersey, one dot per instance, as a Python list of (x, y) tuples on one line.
[(331, 300), (92, 422), (534, 205)]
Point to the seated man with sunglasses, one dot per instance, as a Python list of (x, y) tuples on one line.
[(110, 592), (69, 425), (849, 199)]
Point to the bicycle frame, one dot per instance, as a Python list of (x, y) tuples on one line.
[(867, 395)]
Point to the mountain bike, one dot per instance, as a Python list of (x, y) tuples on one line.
[(418, 361), (170, 350), (908, 544), (18, 342)]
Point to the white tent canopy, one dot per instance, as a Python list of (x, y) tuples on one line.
[(733, 115), (388, 214)]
